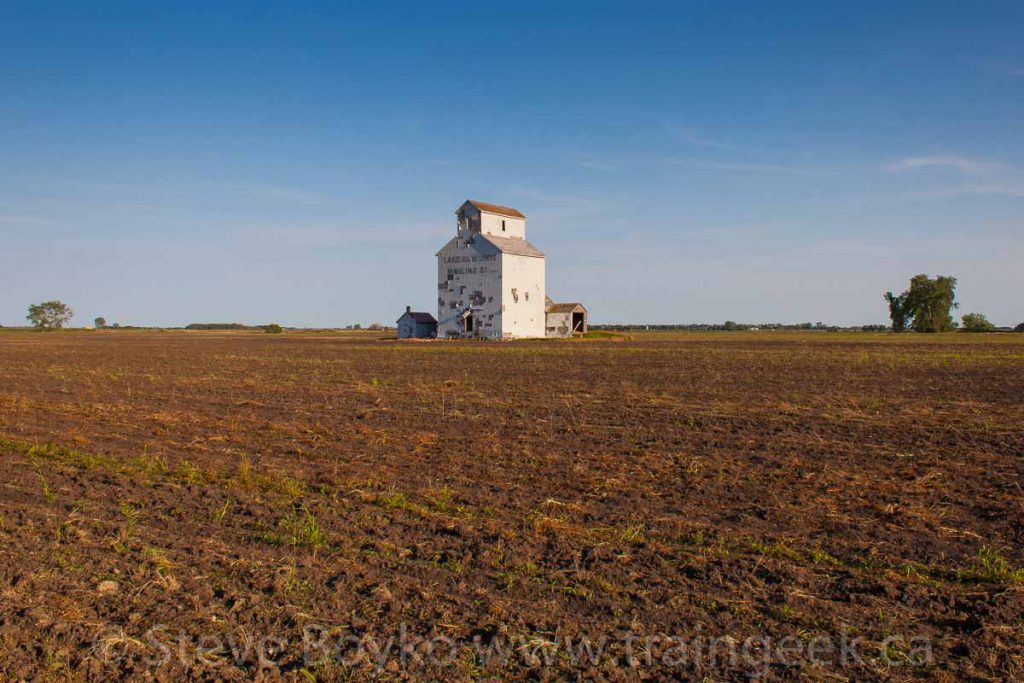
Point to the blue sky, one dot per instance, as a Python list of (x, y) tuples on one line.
[(164, 163)]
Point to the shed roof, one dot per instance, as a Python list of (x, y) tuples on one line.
[(513, 245), (420, 317), (495, 208), (552, 307)]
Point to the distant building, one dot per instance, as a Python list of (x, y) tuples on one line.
[(490, 280), (416, 325), (564, 320)]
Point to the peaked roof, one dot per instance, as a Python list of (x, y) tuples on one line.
[(552, 307), (512, 245), (495, 208), (446, 244), (420, 317)]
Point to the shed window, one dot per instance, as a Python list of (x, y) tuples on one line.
[(503, 226)]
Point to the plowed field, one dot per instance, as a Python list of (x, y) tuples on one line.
[(339, 507)]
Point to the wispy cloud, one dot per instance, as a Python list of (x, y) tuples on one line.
[(702, 141), (546, 206), (338, 234), (996, 188), (697, 138), (595, 165), (958, 163), (173, 189), (987, 177), (1000, 67), (761, 169), (281, 193), (7, 219)]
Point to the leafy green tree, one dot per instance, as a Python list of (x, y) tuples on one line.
[(49, 315), (898, 313), (931, 300), (976, 322), (1019, 328), (99, 323), (926, 305), (273, 328)]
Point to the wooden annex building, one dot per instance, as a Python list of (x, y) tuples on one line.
[(564, 320)]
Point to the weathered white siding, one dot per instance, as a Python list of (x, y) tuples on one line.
[(522, 291), (565, 319), (490, 270), (502, 226), (469, 275), (474, 220), (559, 324)]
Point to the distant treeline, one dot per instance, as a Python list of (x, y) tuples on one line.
[(272, 328), (222, 326), (730, 326)]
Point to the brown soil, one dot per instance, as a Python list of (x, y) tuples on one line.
[(238, 506)]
